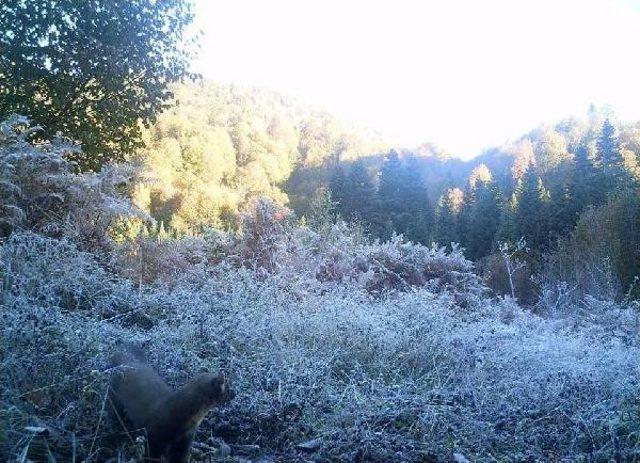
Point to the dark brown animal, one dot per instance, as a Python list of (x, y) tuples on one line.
[(168, 417)]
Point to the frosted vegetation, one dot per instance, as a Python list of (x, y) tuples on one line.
[(340, 348)]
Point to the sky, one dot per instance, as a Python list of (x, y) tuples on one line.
[(463, 74)]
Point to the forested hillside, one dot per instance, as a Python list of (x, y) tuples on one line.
[(221, 146), (557, 190), (535, 187)]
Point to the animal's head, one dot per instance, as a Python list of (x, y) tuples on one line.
[(216, 388)]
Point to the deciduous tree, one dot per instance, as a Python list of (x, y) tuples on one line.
[(93, 69)]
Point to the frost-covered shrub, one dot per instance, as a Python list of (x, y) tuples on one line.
[(603, 319), (270, 244), (49, 273), (397, 265), (395, 380), (61, 315), (267, 233), (496, 276), (398, 379), (41, 191), (26, 171), (152, 259), (57, 274)]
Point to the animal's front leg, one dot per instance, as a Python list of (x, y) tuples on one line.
[(179, 449), (156, 450)]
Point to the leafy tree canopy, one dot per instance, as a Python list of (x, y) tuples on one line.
[(92, 69)]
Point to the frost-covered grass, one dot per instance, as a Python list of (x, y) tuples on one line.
[(405, 376)]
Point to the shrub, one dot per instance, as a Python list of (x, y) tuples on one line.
[(496, 277), (40, 190)]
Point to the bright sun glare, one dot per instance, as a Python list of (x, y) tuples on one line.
[(463, 74)]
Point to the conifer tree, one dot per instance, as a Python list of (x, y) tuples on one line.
[(582, 179), (419, 213), (403, 201), (562, 210), (388, 198), (463, 229), (447, 215), (530, 220), (609, 148), (612, 175), (484, 219), (359, 193), (506, 227), (390, 178), (338, 187)]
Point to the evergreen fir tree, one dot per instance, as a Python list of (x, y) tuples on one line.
[(390, 178), (359, 193), (418, 217), (338, 187), (484, 219), (530, 220), (563, 210), (609, 148), (612, 175), (447, 216), (403, 201), (463, 229), (582, 180), (506, 228), (389, 204)]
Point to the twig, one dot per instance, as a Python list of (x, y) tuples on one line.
[(122, 423), (95, 435)]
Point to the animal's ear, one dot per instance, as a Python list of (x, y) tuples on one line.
[(218, 380), (222, 387), (138, 350)]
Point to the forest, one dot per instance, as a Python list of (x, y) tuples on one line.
[(366, 302), (554, 190)]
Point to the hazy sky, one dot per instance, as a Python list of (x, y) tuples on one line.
[(463, 74)]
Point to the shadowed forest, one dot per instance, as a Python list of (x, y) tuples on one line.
[(367, 302)]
